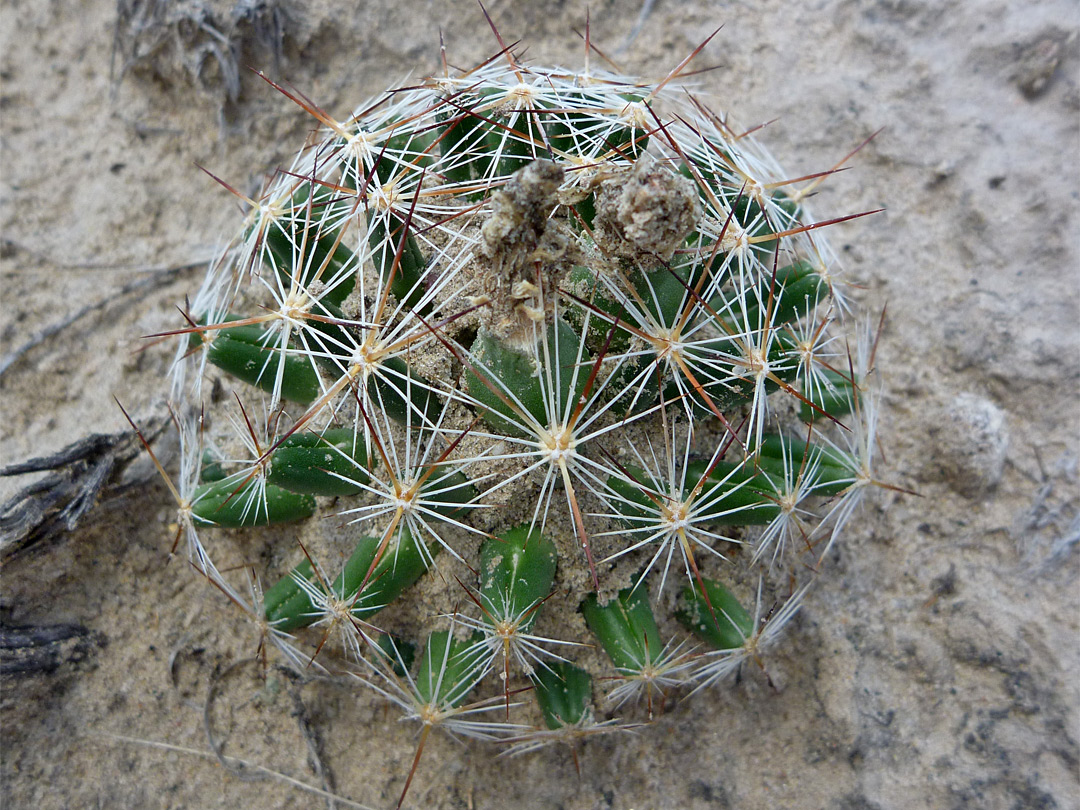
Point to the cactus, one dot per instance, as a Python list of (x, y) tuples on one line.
[(552, 338)]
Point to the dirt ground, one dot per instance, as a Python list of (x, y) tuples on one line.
[(937, 665)]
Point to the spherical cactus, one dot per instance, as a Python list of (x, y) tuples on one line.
[(555, 373)]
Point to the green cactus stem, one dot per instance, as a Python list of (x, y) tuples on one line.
[(305, 248), (232, 503), (250, 354), (332, 463), (508, 383), (288, 606), (564, 693), (626, 629), (449, 670), (725, 626), (517, 569), (835, 395)]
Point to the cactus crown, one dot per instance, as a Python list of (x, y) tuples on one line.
[(566, 352)]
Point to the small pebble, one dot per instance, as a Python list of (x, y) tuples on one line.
[(969, 445)]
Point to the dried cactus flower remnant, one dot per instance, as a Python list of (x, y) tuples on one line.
[(571, 340), (650, 210), (520, 236)]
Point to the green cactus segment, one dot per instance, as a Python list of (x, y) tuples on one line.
[(517, 570), (497, 140), (519, 145), (733, 494), (730, 496), (385, 233), (564, 693), (726, 390), (331, 463), (725, 627), (626, 629), (753, 504), (517, 136), (750, 491), (249, 353), (327, 337), (449, 669), (665, 293), (627, 140), (449, 493), (232, 504), (312, 232), (526, 381), (834, 470), (662, 298), (835, 397), (560, 128), (212, 468), (401, 564), (787, 205), (633, 499), (404, 395), (461, 138), (285, 604), (586, 209), (748, 213), (416, 149), (793, 293), (583, 281), (398, 652), (288, 606), (662, 293)]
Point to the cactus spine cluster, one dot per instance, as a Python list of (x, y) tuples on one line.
[(564, 351)]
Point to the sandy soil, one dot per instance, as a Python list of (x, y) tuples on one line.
[(938, 664)]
